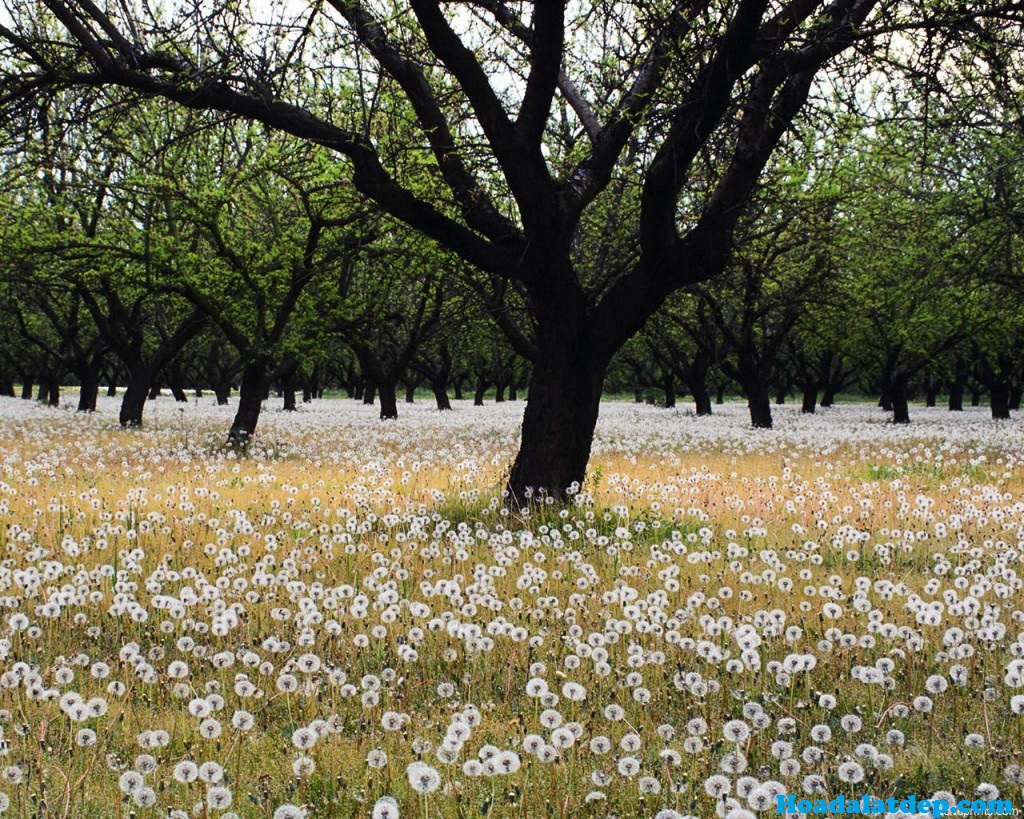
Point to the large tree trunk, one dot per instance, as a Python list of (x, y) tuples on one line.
[(250, 402), (898, 401), (89, 390), (223, 393), (135, 394), (809, 398), (288, 393), (481, 390), (956, 395), (999, 399), (759, 403), (561, 412), (388, 400), (438, 386)]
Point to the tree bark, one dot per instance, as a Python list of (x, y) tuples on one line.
[(561, 413), (898, 401), (410, 393), (478, 395), (956, 395), (88, 391), (668, 384), (976, 396), (26, 389), (288, 390), (809, 399), (250, 402), (388, 400), (154, 391), (760, 405), (999, 400), (135, 395), (440, 394), (1015, 397), (369, 394)]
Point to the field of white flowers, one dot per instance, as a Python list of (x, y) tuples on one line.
[(347, 621)]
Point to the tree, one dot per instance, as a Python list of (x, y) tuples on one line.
[(702, 92)]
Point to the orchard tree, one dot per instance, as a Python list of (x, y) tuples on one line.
[(689, 97)]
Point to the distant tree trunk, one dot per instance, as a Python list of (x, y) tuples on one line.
[(388, 400), (513, 390), (288, 389), (885, 399), (999, 399), (668, 385), (223, 393), (410, 392), (780, 395), (154, 390), (179, 393), (956, 395), (135, 394), (898, 401), (198, 392), (7, 387), (43, 393), (760, 406), (250, 401), (89, 390), (753, 380), (976, 396), (499, 392), (26, 389), (481, 390), (931, 392), (457, 387), (719, 395), (1015, 397), (638, 395), (440, 394), (809, 398), (369, 394), (357, 390), (111, 386), (828, 396)]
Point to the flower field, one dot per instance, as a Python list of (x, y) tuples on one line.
[(347, 621)]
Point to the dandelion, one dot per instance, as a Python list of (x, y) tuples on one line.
[(385, 808), (850, 772), (186, 771), (423, 778)]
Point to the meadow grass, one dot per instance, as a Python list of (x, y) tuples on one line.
[(719, 615)]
